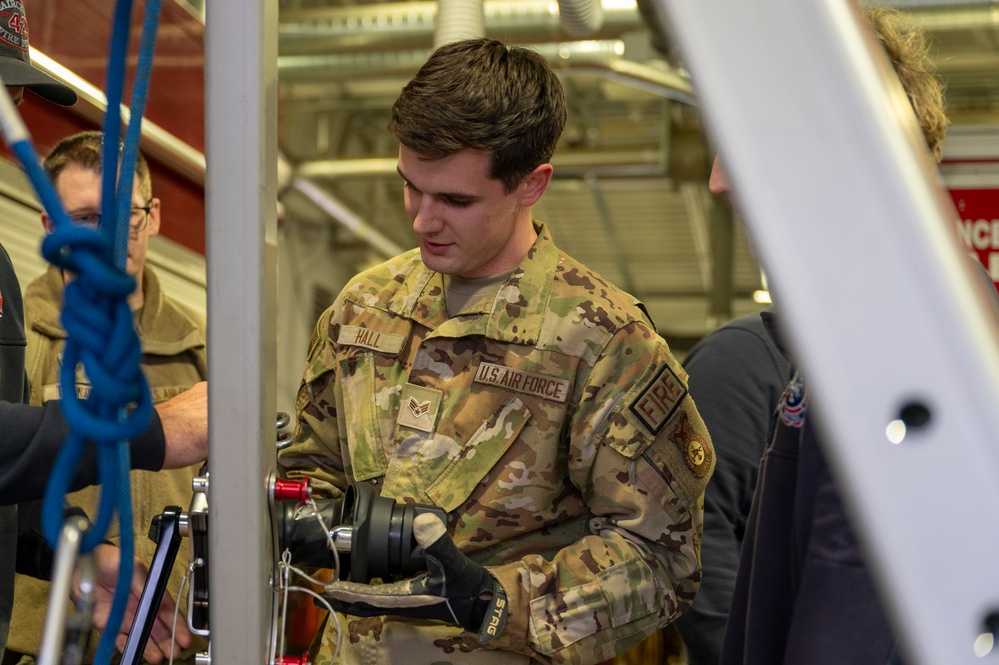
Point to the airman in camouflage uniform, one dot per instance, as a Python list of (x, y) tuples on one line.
[(549, 421)]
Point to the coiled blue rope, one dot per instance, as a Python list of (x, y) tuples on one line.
[(97, 318)]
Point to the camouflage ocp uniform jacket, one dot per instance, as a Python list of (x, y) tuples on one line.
[(556, 431)]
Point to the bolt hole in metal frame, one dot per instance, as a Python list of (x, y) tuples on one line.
[(899, 340)]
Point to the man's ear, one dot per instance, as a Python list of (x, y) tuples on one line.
[(47, 222), (536, 183), (153, 229)]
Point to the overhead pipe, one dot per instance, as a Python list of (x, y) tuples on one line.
[(411, 24), (604, 57), (667, 83), (156, 142), (577, 163), (164, 147), (345, 216)]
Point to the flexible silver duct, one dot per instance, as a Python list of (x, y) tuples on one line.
[(457, 20), (581, 18)]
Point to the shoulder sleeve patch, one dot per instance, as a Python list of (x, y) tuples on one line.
[(695, 450), (660, 398)]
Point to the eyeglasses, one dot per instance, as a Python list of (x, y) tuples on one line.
[(137, 222)]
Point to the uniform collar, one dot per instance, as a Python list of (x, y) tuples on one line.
[(518, 310)]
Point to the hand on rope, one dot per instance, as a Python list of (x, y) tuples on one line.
[(454, 589)]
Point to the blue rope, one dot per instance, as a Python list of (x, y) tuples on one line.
[(125, 340), (130, 151)]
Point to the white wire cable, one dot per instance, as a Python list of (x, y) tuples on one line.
[(305, 576), (284, 586), (176, 608), (328, 532), (285, 561), (286, 566)]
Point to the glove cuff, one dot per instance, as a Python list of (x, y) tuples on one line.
[(494, 616)]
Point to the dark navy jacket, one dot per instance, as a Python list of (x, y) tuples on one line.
[(803, 593)]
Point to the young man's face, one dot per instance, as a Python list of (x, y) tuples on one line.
[(79, 189), (467, 224)]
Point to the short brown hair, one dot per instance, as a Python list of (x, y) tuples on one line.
[(85, 150), (482, 95)]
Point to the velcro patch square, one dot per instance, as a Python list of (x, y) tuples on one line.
[(659, 399), (419, 407)]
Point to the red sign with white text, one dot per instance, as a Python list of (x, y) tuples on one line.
[(978, 226)]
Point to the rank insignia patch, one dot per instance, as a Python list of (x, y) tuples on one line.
[(419, 407), (657, 402), (695, 450)]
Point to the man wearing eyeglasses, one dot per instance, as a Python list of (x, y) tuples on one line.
[(173, 345)]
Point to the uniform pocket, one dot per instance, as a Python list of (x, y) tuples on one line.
[(368, 414), (561, 619), (482, 452)]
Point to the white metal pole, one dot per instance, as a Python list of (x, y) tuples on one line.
[(858, 241), (241, 227)]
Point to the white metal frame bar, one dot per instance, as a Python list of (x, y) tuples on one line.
[(857, 237), (241, 228)]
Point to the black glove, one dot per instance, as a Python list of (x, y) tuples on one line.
[(454, 589)]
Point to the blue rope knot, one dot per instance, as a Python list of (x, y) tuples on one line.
[(101, 337)]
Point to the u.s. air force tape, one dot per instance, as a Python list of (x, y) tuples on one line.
[(546, 387)]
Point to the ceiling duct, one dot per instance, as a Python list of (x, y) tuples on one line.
[(457, 20), (581, 18)]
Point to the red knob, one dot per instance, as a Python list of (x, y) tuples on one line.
[(293, 660), (292, 489)]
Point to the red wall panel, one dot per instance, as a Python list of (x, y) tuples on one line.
[(76, 34)]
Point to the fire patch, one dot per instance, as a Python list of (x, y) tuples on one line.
[(696, 451), (656, 403)]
